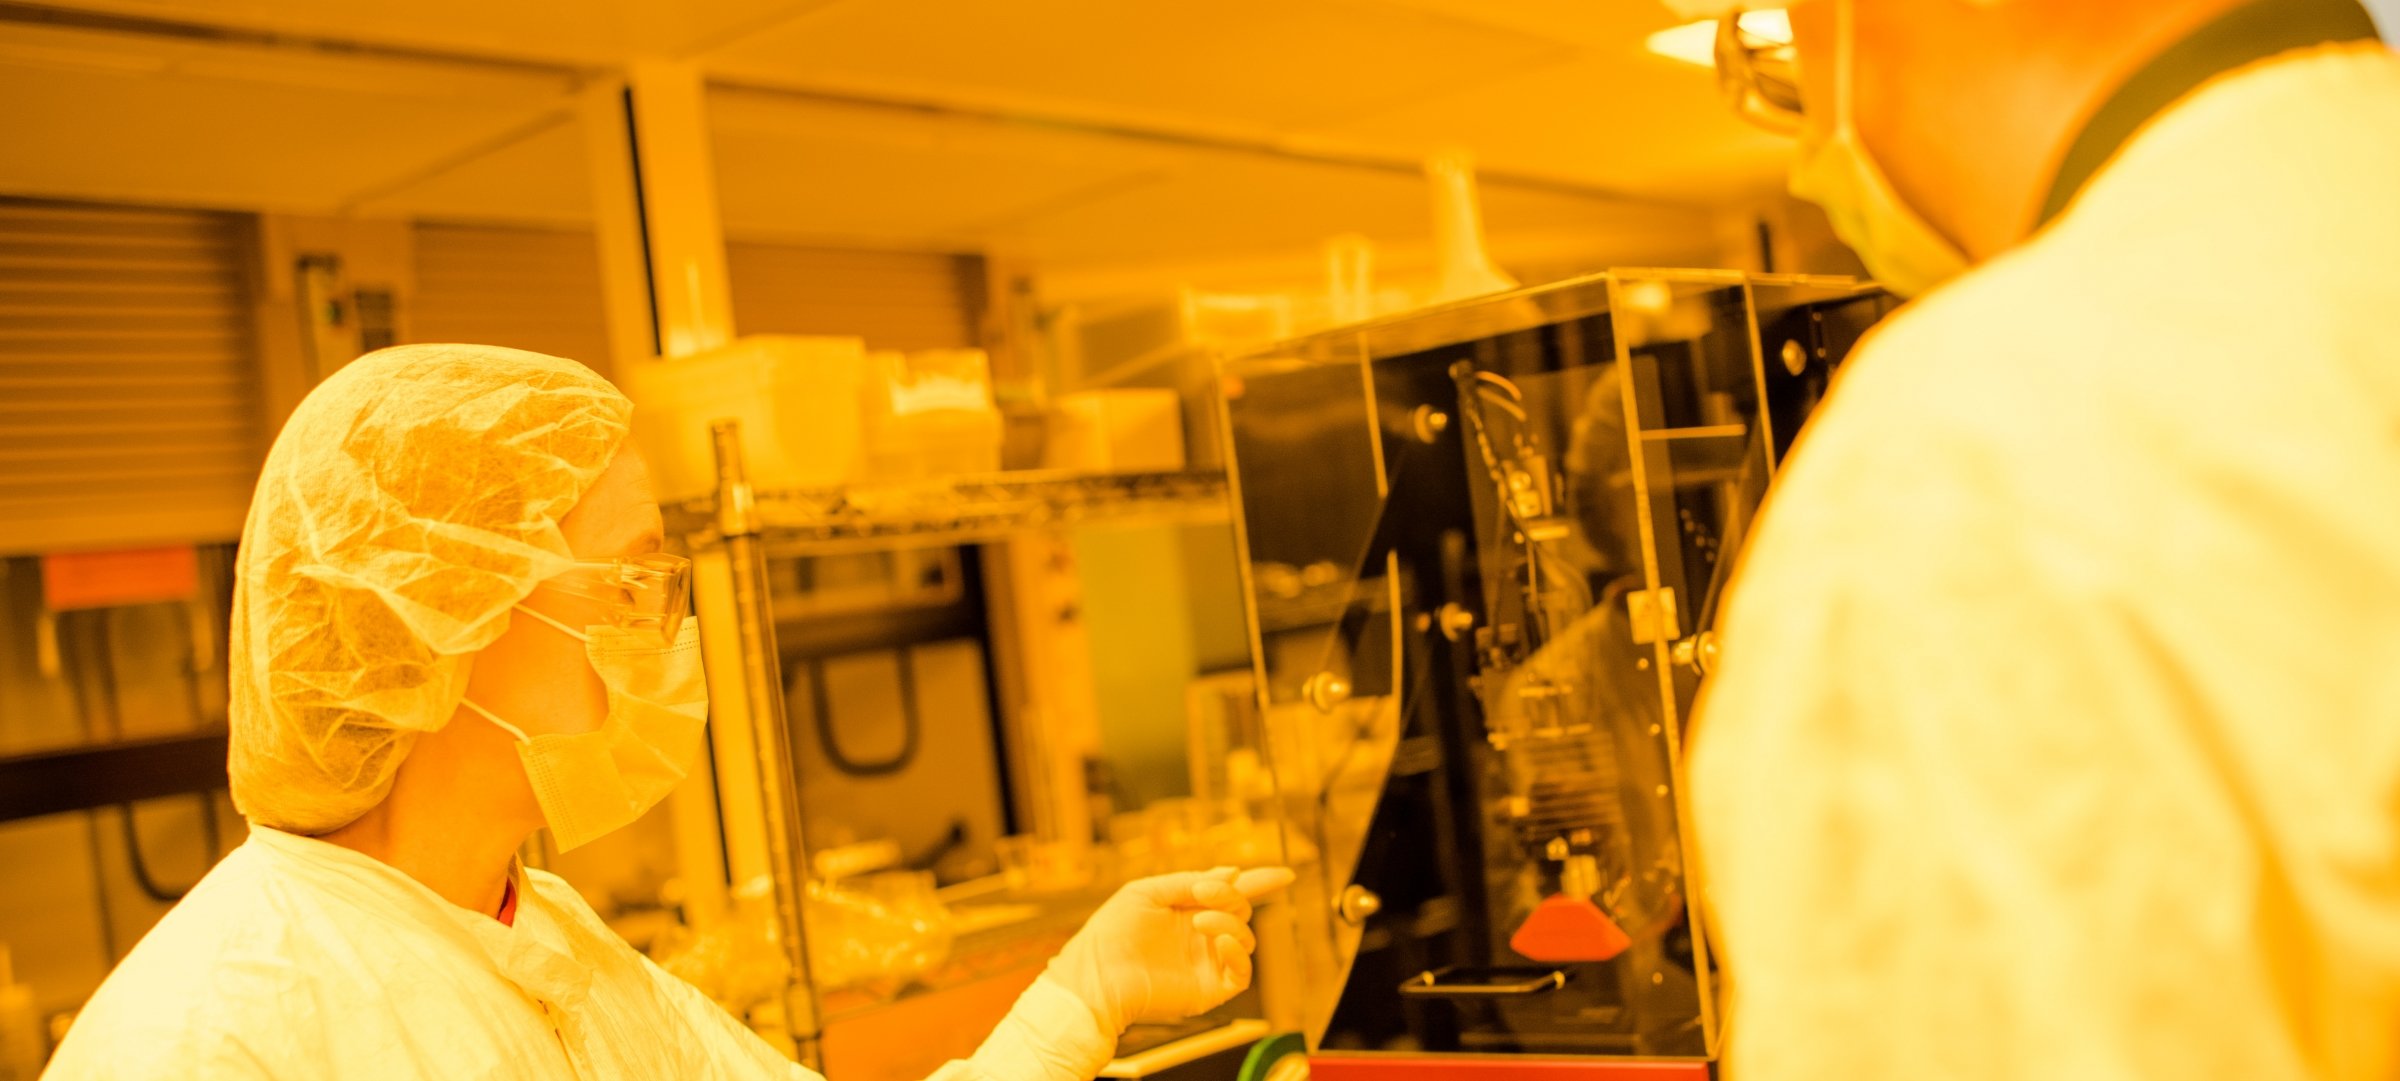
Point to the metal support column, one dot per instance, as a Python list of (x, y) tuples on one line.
[(762, 695), (654, 187), (662, 257)]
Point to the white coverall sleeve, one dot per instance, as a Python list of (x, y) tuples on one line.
[(737, 1051), (111, 1049), (1049, 1035)]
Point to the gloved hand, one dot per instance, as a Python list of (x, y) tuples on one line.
[(1168, 947)]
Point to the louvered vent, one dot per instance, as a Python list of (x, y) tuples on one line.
[(534, 289), (129, 400), (895, 300)]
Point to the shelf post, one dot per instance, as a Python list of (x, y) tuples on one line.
[(762, 699)]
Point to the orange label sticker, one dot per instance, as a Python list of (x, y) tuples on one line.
[(72, 580)]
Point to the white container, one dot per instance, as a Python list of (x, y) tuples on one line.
[(1128, 430), (797, 398), (929, 414)]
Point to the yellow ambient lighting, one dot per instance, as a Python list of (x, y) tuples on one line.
[(1696, 43)]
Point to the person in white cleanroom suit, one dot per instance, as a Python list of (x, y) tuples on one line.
[(2057, 732), (452, 627)]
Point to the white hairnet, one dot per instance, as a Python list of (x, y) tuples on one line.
[(1718, 9), (411, 499)]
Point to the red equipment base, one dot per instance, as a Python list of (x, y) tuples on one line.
[(1499, 1068)]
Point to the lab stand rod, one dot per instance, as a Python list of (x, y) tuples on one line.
[(779, 795)]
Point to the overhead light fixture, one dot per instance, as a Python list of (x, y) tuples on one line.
[(1696, 43)]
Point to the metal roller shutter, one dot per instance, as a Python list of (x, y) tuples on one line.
[(129, 393), (895, 300), (536, 289)]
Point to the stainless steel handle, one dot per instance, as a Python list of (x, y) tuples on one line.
[(1483, 983)]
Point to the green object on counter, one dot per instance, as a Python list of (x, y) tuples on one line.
[(1267, 1052)]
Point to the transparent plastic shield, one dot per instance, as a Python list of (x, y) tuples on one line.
[(1322, 619), (1521, 510)]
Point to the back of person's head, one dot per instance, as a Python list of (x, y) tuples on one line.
[(410, 500)]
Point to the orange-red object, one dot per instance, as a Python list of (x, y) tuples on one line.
[(1564, 928), (72, 580), (1372, 1067)]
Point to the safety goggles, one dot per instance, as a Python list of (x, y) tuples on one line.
[(1759, 75), (649, 593)]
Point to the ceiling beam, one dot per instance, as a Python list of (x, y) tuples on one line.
[(456, 159), (1302, 149), (64, 18)]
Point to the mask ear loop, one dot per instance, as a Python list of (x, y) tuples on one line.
[(495, 719), (562, 628)]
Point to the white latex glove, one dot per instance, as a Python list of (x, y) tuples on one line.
[(1168, 947), (1049, 1035)]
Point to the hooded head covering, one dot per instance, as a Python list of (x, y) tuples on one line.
[(410, 500)]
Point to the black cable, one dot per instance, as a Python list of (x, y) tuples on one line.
[(133, 840), (141, 867), (208, 800), (821, 704), (72, 652), (209, 831), (105, 660), (108, 923), (71, 671), (91, 695), (191, 689)]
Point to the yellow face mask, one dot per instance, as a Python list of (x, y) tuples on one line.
[(590, 784), (1900, 248)]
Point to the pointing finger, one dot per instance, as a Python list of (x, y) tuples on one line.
[(1258, 882), (1223, 897), (1183, 889)]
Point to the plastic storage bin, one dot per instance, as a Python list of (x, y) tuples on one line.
[(797, 399), (1135, 430), (930, 414)]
